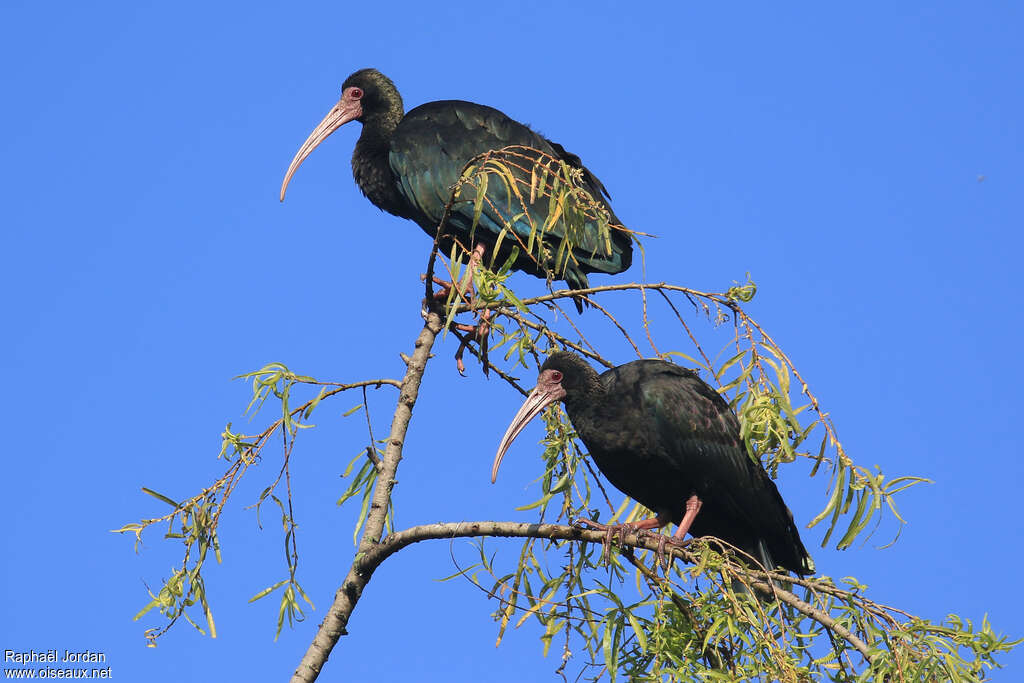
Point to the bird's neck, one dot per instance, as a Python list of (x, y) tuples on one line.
[(586, 409), (371, 167), (598, 422)]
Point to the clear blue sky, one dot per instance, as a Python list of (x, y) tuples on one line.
[(837, 154)]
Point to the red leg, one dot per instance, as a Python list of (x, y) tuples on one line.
[(693, 505), (639, 525), (649, 523), (465, 288), (467, 280), (443, 284), (480, 330)]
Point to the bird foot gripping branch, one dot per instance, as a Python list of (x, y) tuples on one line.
[(478, 332), (642, 528)]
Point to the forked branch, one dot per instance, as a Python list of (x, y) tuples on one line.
[(334, 624)]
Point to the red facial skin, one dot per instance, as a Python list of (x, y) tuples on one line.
[(549, 389), (347, 109)]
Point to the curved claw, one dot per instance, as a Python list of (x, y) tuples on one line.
[(640, 530), (589, 523), (606, 552), (660, 555)]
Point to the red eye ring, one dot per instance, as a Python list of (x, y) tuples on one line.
[(556, 376), (355, 93)]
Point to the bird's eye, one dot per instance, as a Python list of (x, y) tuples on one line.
[(556, 376), (355, 93)]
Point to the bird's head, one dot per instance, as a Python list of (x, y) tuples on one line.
[(563, 376), (365, 95)]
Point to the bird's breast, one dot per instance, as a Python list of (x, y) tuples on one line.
[(372, 173)]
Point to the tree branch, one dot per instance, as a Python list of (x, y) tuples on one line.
[(345, 599), (717, 297), (376, 555)]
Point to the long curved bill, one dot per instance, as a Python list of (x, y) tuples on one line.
[(340, 114), (539, 399)]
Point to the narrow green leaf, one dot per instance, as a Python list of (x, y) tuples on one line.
[(856, 524), (833, 501), (606, 648), (821, 455), (478, 203), (268, 590), (729, 363), (635, 625), (153, 603), (160, 496)]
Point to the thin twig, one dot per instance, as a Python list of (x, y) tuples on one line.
[(465, 342), (555, 337), (689, 333), (617, 324), (334, 624), (371, 450)]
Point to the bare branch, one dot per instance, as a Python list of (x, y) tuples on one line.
[(333, 625), (717, 297), (371, 450), (376, 554)]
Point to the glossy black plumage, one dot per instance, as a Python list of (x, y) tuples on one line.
[(406, 165), (661, 435)]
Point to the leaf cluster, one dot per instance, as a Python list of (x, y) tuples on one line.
[(700, 612), (542, 192), (194, 522)]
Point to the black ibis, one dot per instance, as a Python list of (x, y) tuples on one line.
[(668, 440), (407, 163)]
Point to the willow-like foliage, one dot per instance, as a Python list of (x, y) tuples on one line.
[(618, 609)]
